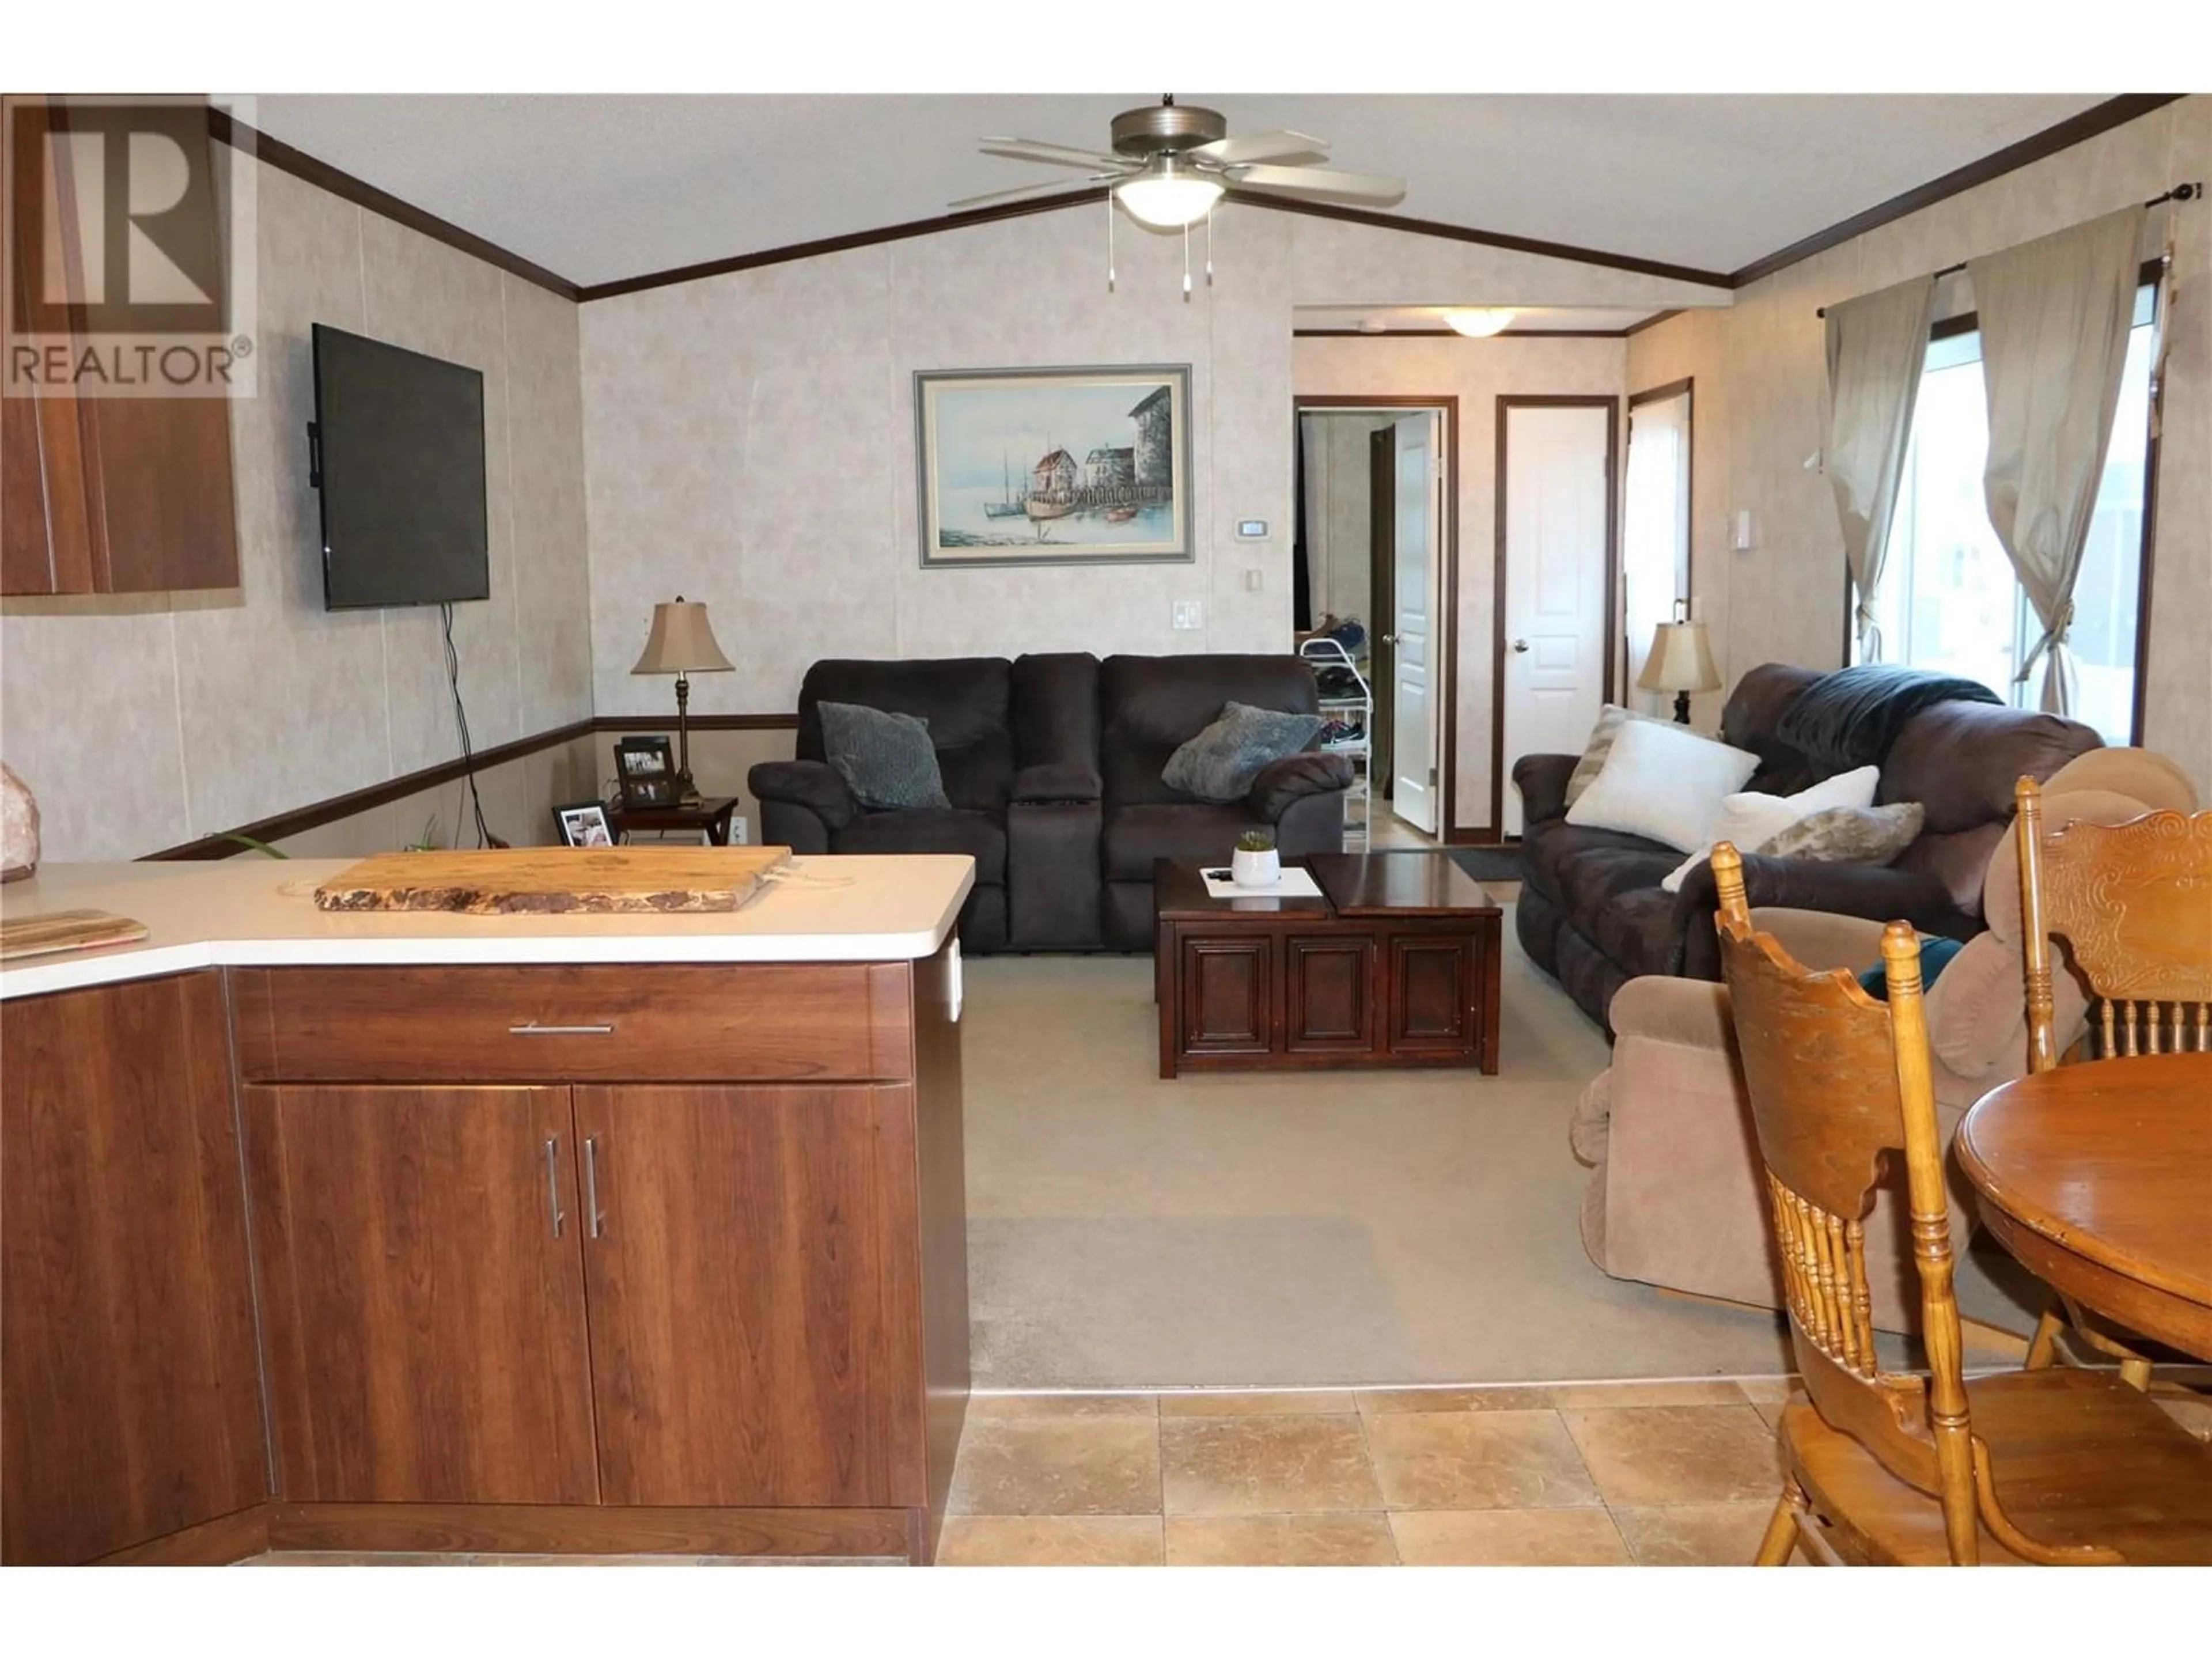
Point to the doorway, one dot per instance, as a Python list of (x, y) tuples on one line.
[(1557, 569), (1377, 543), (1655, 539)]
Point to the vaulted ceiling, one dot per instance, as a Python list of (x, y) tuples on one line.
[(600, 188)]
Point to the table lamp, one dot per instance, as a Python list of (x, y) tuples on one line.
[(1681, 661), (681, 644)]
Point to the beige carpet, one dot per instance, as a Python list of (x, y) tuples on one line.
[(1295, 1228)]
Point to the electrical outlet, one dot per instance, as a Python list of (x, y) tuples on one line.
[(1187, 614)]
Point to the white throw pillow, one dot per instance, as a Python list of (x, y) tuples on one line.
[(1663, 782), (1750, 819)]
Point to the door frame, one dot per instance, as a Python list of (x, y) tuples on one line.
[(1685, 387), (1449, 832), (1509, 400)]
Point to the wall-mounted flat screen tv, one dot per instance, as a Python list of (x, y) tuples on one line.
[(398, 453)]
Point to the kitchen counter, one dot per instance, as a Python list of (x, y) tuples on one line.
[(259, 912)]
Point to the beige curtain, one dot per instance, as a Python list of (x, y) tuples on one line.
[(1877, 344), (2054, 322)]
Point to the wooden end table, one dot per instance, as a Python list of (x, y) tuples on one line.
[(1396, 963), (711, 815)]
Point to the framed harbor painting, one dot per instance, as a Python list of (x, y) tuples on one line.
[(1053, 466)]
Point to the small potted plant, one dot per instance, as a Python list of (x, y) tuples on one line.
[(1255, 863)]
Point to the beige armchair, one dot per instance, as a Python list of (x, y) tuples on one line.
[(1674, 1197)]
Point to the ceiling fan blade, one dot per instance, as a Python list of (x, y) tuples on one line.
[(1041, 184), (1262, 147), (1059, 156), (1319, 181)]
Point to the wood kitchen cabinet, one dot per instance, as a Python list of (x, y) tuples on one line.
[(752, 1293), (102, 493), (421, 1268), (131, 1406), (656, 1247)]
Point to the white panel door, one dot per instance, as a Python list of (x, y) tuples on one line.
[(1415, 722), (1556, 487)]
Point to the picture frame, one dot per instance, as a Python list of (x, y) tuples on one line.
[(647, 769), (584, 824), (1054, 466)]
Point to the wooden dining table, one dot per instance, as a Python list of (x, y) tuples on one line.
[(2097, 1178)]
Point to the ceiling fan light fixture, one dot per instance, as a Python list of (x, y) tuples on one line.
[(1480, 322), (1167, 198)]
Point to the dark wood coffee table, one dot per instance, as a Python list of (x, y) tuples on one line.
[(1395, 964)]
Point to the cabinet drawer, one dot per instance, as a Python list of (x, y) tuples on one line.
[(654, 1022)]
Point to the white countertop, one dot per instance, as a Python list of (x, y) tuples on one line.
[(260, 912)]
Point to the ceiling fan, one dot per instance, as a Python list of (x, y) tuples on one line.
[(1170, 163)]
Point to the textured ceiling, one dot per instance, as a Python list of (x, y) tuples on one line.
[(601, 187)]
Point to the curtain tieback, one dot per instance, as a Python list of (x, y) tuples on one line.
[(2052, 638), (1869, 630)]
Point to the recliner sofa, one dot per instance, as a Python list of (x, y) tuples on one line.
[(1052, 765), (1592, 913)]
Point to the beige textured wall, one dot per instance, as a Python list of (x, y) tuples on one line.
[(1341, 515), (1761, 380), (1477, 373), (748, 439), (146, 722)]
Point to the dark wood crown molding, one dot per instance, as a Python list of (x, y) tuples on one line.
[(225, 128), (2099, 117), (1450, 233), (859, 239)]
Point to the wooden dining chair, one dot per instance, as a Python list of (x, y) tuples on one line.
[(2133, 903), (2052, 1468)]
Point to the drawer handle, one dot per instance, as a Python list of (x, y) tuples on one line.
[(553, 1181), (593, 1221), (535, 1030)]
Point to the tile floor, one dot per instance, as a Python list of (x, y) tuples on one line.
[(1643, 1474), (1592, 1475), (1665, 1473)]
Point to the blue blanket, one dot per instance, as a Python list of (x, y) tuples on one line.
[(1849, 719)]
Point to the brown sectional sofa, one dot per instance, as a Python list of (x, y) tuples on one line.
[(1593, 914)]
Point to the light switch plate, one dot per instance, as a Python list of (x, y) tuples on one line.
[(1252, 580), (1187, 614)]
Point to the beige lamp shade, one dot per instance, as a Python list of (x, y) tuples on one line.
[(681, 642), (1680, 660)]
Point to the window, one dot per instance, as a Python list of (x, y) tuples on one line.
[(1949, 599)]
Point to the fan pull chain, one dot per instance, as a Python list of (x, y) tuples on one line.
[(1109, 241), (1209, 247), (1186, 264)]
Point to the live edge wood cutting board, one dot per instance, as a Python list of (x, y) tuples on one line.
[(551, 880)]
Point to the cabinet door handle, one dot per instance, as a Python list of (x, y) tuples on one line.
[(593, 1221), (553, 1181), (535, 1030)]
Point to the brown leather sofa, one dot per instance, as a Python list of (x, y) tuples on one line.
[(1052, 765), (1593, 914)]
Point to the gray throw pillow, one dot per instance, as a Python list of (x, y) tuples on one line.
[(1611, 718), (1219, 763), (887, 759), (1850, 835)]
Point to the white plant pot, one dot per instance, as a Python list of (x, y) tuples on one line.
[(1255, 869)]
